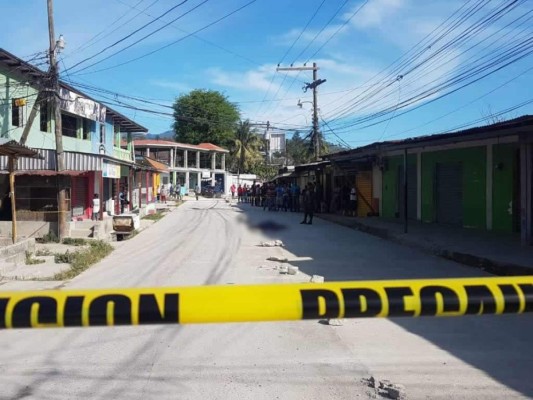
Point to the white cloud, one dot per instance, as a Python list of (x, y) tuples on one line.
[(375, 13), (171, 85)]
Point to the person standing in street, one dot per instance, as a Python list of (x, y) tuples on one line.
[(197, 191), (232, 189), (123, 199), (96, 207), (353, 201), (309, 204), (178, 191)]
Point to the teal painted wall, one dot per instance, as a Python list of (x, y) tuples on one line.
[(14, 86), (390, 184), (474, 163), (503, 186)]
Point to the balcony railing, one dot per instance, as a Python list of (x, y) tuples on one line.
[(121, 154)]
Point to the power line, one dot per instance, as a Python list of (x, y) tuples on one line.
[(92, 41), (338, 30), (293, 44), (175, 41), (144, 37), (457, 79), (129, 35), (199, 37)]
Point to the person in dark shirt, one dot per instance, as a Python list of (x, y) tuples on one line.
[(309, 204)]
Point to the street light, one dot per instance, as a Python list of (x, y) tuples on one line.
[(301, 103)]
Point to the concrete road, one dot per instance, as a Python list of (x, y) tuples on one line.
[(208, 242)]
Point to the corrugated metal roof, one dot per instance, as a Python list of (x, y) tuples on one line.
[(10, 147), (505, 128), (73, 161)]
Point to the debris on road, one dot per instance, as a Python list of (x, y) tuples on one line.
[(283, 269), (278, 259), (385, 388), (317, 279), (272, 243), (335, 322)]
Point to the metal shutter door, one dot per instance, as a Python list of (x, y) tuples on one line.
[(364, 193), (449, 194)]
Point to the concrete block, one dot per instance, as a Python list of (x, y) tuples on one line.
[(335, 322), (292, 270), (317, 279)]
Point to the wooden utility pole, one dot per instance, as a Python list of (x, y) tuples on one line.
[(54, 104), (316, 139), (313, 85)]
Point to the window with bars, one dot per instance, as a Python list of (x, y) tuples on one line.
[(44, 116), (69, 126)]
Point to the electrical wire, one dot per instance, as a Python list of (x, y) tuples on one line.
[(144, 37), (174, 42), (129, 35)]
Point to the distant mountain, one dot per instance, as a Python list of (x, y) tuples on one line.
[(168, 135)]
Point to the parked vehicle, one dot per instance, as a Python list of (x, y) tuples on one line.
[(208, 191)]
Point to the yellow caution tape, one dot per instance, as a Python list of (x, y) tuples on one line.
[(282, 302)]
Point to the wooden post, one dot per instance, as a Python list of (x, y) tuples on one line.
[(12, 160), (405, 198)]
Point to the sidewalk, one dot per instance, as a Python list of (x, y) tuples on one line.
[(497, 254)]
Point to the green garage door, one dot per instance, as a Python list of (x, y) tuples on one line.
[(449, 193)]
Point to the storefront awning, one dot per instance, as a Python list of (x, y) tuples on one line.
[(152, 164), (12, 148)]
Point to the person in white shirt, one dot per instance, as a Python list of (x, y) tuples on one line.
[(96, 207), (353, 201)]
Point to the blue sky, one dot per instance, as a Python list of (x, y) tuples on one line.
[(238, 56)]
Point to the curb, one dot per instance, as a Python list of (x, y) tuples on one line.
[(485, 264)]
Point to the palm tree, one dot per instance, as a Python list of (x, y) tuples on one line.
[(246, 146)]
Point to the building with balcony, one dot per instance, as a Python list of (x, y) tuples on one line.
[(190, 165), (95, 162)]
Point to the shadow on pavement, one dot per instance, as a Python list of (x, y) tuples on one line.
[(498, 345)]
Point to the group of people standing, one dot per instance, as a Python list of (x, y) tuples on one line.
[(165, 192), (279, 197)]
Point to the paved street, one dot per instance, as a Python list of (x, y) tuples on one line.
[(208, 242)]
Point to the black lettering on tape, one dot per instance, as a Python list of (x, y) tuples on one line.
[(73, 311), (527, 290), (396, 299), (121, 310), (46, 313), (428, 300), (150, 313), (353, 306), (310, 303), (3, 307), (511, 299), (480, 300)]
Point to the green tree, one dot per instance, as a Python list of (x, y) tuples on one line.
[(205, 116), (299, 150), (246, 147), (263, 171)]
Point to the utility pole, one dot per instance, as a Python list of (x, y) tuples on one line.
[(313, 85), (55, 106), (316, 140)]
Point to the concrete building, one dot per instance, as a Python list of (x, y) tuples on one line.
[(188, 164), (276, 144), (477, 178), (94, 159)]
